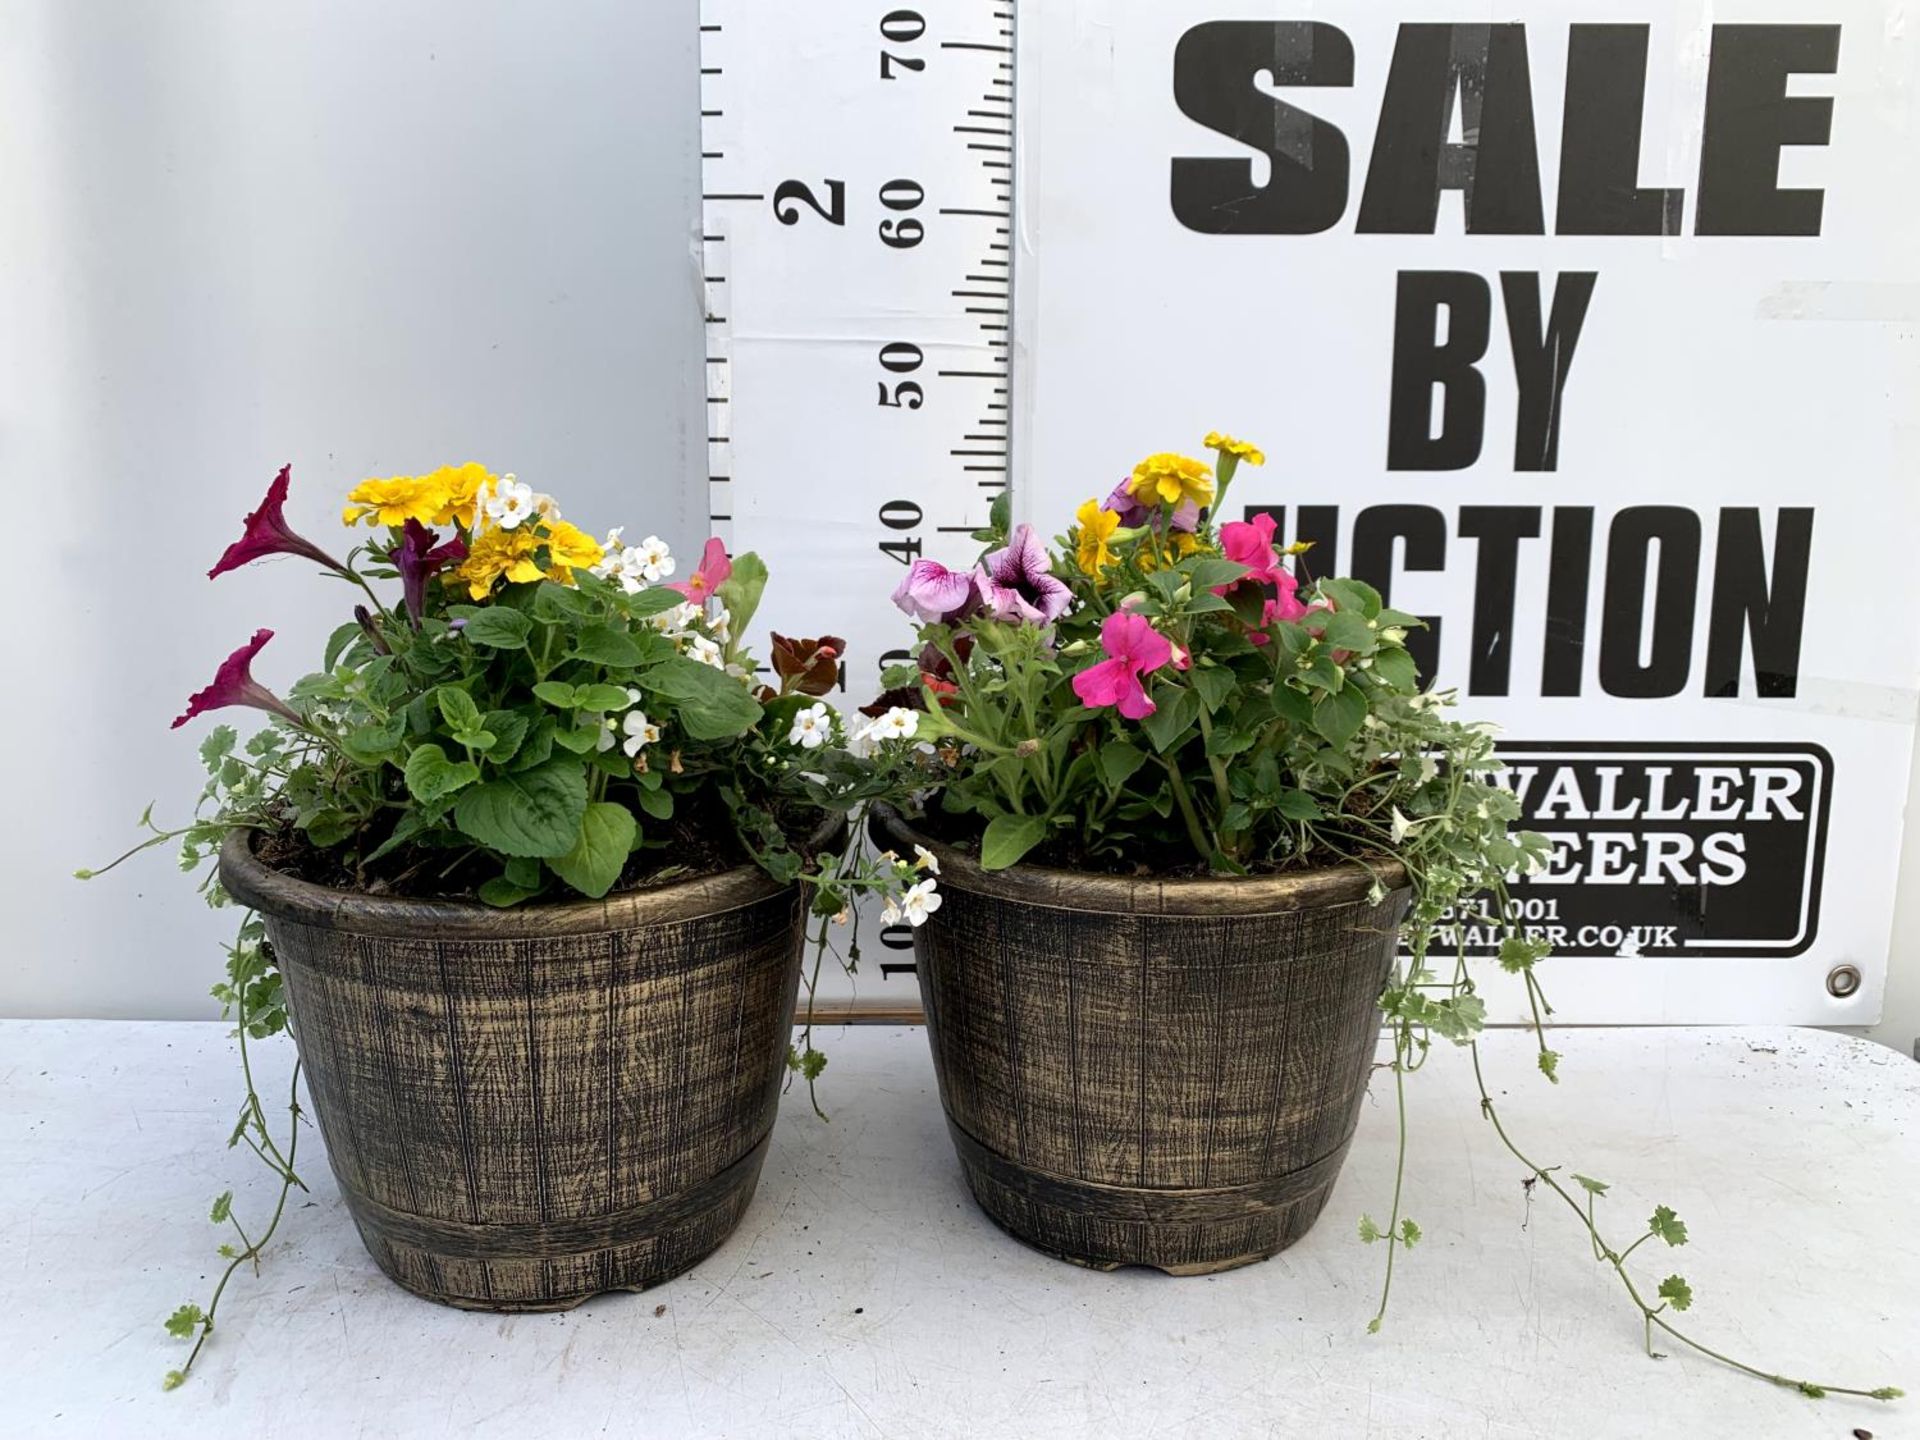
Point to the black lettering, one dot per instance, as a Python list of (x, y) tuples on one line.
[(1499, 529), (1541, 359), (1214, 67), (1496, 166), (1569, 567), (1745, 605), (1421, 360), (1750, 116), (1606, 97), (1422, 531), (1624, 618)]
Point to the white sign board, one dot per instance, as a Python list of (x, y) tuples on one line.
[(1591, 338)]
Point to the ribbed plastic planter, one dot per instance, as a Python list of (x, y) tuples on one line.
[(527, 1107), (1144, 1072)]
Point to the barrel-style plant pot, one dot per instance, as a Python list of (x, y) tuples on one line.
[(527, 1107), (1152, 1072)]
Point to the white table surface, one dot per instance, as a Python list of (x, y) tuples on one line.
[(864, 1295)]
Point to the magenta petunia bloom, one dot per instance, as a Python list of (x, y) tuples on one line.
[(418, 560), (1250, 543), (1015, 582), (933, 593), (233, 684), (714, 569), (1134, 648), (266, 532)]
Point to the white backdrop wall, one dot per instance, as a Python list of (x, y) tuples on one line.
[(362, 237)]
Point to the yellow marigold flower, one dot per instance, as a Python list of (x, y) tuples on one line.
[(1177, 546), (457, 490), (1239, 449), (570, 548), (496, 553), (1091, 550), (393, 501), (1166, 479)]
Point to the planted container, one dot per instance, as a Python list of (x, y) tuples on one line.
[(1152, 1072), (527, 1107)]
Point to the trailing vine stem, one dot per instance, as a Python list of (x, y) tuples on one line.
[(191, 1319), (1654, 1316)]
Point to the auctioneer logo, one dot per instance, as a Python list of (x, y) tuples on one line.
[(1665, 849)]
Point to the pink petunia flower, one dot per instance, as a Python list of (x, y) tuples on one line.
[(933, 593), (714, 569), (1016, 583), (266, 532), (1134, 648), (233, 684), (1250, 543)]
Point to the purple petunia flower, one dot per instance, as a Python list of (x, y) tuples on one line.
[(418, 560), (1015, 583), (267, 533), (233, 684), (1186, 515), (933, 593)]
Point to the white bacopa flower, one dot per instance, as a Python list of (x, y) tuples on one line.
[(1429, 767), (720, 624), (1401, 825), (1376, 892), (641, 732), (673, 622), (655, 560), (609, 732), (919, 902), (700, 648), (546, 507), (926, 860), (511, 503), (890, 913), (812, 727), (899, 723)]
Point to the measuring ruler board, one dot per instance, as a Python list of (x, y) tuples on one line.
[(857, 242)]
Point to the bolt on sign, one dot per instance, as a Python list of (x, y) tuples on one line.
[(1589, 337)]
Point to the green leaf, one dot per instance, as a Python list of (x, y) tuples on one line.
[(1352, 595), (1409, 1234), (600, 853), (500, 627), (1590, 1185), (218, 745), (712, 705), (372, 744), (1521, 952), (600, 697), (503, 894), (1668, 1226), (1339, 713), (1215, 684), (1166, 726), (1293, 707), (1369, 1232), (1009, 837), (1298, 805), (432, 776), (656, 802), (656, 600), (457, 708), (1348, 630), (509, 729), (1119, 761), (173, 1380), (742, 590), (528, 812), (1208, 571), (1676, 1292), (580, 739), (222, 1208), (560, 604), (1549, 1062), (555, 692), (1395, 666), (182, 1322), (603, 645)]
